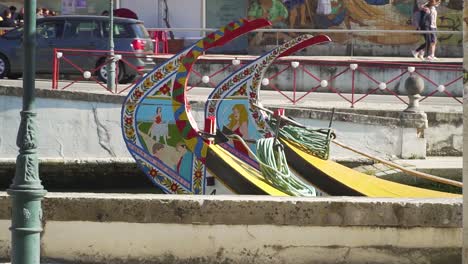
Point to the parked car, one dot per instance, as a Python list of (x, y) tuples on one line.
[(84, 33)]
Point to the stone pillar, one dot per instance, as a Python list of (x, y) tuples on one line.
[(413, 142), (413, 122), (465, 135)]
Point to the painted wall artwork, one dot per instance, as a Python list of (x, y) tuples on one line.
[(354, 14), (465, 48), (152, 136)]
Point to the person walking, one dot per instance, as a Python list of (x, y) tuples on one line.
[(427, 22), (422, 23), (433, 4)]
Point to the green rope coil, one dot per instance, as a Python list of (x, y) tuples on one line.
[(312, 141), (275, 169)]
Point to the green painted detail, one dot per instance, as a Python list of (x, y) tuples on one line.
[(188, 60), (177, 92), (186, 130)]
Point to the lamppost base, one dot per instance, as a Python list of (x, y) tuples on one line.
[(26, 224)]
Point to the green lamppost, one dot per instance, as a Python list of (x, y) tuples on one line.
[(26, 190), (111, 64)]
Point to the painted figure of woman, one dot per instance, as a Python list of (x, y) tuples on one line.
[(158, 128), (238, 123)]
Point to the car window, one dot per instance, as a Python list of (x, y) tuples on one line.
[(81, 30), (120, 30), (140, 30), (50, 30)]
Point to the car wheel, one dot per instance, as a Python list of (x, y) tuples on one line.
[(102, 72), (4, 66)]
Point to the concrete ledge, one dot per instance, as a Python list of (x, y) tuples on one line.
[(251, 210), (115, 228)]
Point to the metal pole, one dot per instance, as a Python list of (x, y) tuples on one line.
[(353, 87), (203, 15), (26, 190), (111, 59), (294, 85)]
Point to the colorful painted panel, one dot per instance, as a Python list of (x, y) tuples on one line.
[(155, 120), (233, 115), (184, 120), (230, 105), (232, 102), (151, 135)]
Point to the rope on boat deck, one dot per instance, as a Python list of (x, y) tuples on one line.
[(275, 169)]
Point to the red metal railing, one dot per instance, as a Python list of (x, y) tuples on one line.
[(441, 88), (362, 70), (67, 55), (207, 78), (358, 70)]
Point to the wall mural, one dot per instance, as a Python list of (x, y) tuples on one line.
[(355, 14), (465, 48)]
